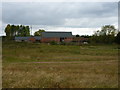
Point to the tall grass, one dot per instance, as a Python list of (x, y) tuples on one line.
[(95, 67)]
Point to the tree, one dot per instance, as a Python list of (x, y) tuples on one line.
[(38, 33), (24, 31), (20, 30), (77, 35), (12, 30), (96, 33), (17, 30), (8, 30), (85, 36), (117, 39), (108, 30), (105, 35), (27, 31)]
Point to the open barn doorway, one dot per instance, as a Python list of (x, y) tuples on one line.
[(61, 39)]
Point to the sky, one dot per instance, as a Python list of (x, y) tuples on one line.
[(81, 18)]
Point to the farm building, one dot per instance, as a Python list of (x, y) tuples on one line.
[(56, 36), (20, 39), (48, 37), (80, 40), (35, 39), (28, 39)]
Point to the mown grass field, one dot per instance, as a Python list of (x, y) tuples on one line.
[(86, 66)]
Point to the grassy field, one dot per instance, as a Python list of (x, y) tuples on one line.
[(86, 66)]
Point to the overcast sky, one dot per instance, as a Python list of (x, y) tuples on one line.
[(79, 17)]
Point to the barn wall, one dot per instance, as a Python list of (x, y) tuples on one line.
[(69, 39), (32, 39), (50, 39)]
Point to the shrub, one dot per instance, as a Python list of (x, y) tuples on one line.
[(63, 43), (53, 43)]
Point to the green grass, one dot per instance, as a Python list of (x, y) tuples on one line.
[(95, 67)]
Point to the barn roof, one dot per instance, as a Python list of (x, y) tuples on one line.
[(22, 38), (37, 37), (27, 38), (57, 34)]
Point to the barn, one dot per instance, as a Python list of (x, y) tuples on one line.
[(56, 36), (80, 40), (35, 39), (20, 39), (28, 39), (48, 37)]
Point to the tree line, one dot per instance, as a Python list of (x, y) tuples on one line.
[(20, 30), (16, 30), (108, 33)]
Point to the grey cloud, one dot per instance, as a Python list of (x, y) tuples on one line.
[(54, 14), (32, 14)]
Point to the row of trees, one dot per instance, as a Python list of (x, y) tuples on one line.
[(107, 34), (19, 30)]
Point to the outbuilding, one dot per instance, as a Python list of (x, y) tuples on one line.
[(28, 39), (20, 39)]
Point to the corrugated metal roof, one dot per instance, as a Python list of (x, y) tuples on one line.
[(22, 38), (27, 38), (57, 34), (37, 37)]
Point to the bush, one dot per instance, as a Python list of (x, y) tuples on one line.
[(68, 43), (117, 38), (63, 43), (53, 43)]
